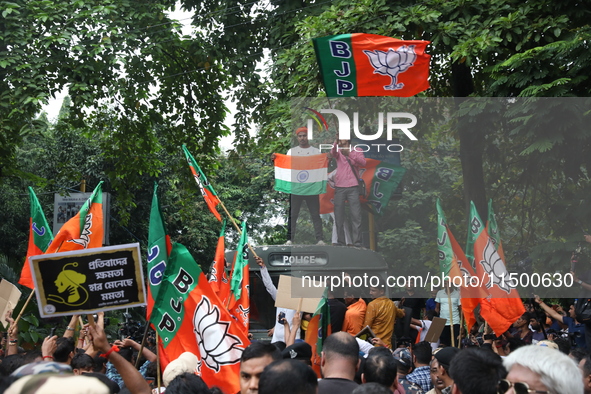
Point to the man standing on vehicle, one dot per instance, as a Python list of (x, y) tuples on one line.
[(295, 202), (349, 163)]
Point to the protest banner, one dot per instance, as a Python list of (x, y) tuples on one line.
[(88, 281), (9, 296)]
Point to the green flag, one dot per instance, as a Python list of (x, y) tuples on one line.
[(444, 248), (40, 237), (159, 247)]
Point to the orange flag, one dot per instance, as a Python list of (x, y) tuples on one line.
[(40, 237), (454, 264), (239, 299), (503, 306), (218, 279), (83, 231)]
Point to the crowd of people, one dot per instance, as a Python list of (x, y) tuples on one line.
[(544, 352)]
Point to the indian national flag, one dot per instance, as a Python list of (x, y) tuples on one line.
[(301, 175)]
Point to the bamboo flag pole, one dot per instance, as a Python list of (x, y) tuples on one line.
[(237, 228), (158, 362), (461, 331), (24, 307)]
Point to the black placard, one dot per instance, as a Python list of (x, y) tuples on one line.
[(89, 281)]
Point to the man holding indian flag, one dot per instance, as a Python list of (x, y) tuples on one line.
[(303, 174)]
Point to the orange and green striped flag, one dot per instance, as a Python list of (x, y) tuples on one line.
[(355, 65), (85, 230), (40, 237), (210, 196)]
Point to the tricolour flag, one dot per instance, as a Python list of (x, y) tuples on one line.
[(454, 264), (381, 179), (503, 306), (210, 196), (40, 237), (85, 230), (359, 64), (159, 247), (301, 175), (318, 330), (239, 302), (189, 317), (218, 279)]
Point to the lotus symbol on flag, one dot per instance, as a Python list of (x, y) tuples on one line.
[(392, 63), (495, 269), (216, 345), (84, 239)]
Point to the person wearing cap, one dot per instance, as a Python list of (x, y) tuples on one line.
[(295, 202), (404, 365), (442, 381), (300, 351)]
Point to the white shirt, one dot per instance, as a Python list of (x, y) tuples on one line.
[(279, 331), (443, 301), (299, 151)]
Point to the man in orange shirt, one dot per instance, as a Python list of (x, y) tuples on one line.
[(381, 315), (355, 315)]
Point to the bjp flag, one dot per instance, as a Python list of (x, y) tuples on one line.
[(355, 65)]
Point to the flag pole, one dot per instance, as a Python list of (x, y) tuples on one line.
[(461, 326), (237, 227), (24, 307), (137, 362), (157, 361)]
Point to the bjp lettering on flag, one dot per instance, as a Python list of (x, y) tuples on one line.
[(355, 65)]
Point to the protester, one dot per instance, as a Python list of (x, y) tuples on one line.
[(187, 382), (403, 367), (355, 314), (444, 297), (585, 367), (252, 363), (288, 377), (476, 370), (372, 388), (422, 327), (295, 202), (337, 312), (520, 329), (381, 314), (574, 327), (442, 381), (278, 331), (340, 361), (543, 369), (421, 353), (300, 351), (349, 161), (380, 367)]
